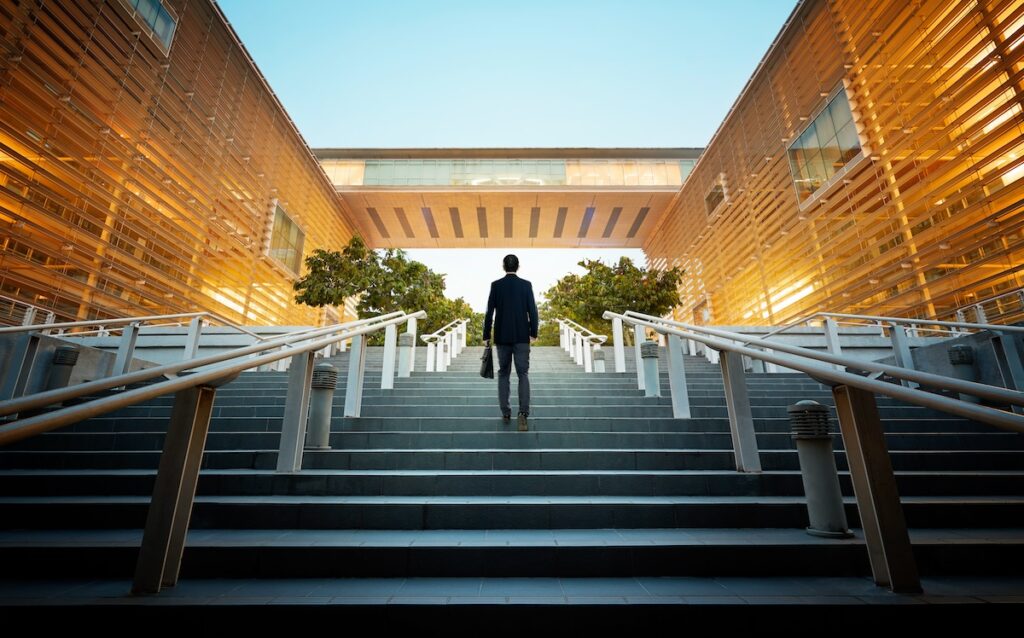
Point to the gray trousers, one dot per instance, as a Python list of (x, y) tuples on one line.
[(521, 352)]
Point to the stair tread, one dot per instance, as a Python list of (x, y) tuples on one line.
[(500, 500), (493, 537)]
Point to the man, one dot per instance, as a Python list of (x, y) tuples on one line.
[(515, 328)]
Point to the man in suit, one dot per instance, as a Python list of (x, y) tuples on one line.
[(515, 328)]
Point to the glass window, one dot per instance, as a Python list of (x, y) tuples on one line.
[(157, 18), (286, 241), (714, 197), (829, 144)]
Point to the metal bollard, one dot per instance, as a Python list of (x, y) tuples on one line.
[(405, 341), (962, 358), (598, 360), (652, 382), (810, 424), (318, 432), (64, 360)]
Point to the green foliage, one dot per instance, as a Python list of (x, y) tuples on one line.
[(334, 276), (547, 333), (620, 287), (385, 282)]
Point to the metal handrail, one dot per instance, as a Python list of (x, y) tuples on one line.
[(992, 416), (437, 334), (899, 320), (49, 397), (126, 320), (24, 428), (580, 328)]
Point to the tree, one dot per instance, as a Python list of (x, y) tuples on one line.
[(620, 287), (385, 283)]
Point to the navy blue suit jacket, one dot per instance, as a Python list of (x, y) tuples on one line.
[(514, 309)]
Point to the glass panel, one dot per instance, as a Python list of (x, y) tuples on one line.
[(849, 143), (148, 10), (820, 152), (832, 157), (840, 110), (162, 28), (823, 127)]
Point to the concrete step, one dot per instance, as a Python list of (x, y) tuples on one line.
[(397, 434), (229, 553), (339, 424), (491, 512), (473, 457), (490, 482)]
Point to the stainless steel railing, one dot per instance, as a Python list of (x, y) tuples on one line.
[(445, 344), (167, 521), (870, 467), (581, 343)]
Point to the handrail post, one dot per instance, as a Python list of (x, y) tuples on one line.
[(411, 329), (440, 352), (465, 335), (356, 371), (195, 330), (296, 409), (577, 347), (831, 329), (50, 318), (901, 350), (126, 349), (387, 371), (163, 540), (449, 351), (588, 356), (741, 420), (430, 356), (874, 486), (638, 338), (561, 335), (29, 318), (677, 379), (618, 346)]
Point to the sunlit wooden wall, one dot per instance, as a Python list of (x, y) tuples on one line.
[(134, 182), (929, 220)]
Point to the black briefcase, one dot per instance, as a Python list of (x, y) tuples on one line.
[(487, 363)]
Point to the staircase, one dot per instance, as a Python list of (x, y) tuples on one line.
[(608, 510)]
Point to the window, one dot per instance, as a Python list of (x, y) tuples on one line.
[(716, 195), (286, 241), (825, 147), (159, 20)]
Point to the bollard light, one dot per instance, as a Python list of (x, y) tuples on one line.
[(811, 432), (321, 403)]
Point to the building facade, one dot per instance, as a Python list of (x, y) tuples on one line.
[(873, 164), (146, 167)]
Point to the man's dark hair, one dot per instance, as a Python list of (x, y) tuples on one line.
[(511, 263)]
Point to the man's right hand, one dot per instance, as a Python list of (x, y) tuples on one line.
[(532, 339)]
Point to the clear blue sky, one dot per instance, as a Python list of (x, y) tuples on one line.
[(425, 73)]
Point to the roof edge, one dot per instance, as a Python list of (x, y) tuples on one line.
[(507, 153)]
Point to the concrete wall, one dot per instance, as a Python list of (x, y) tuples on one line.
[(865, 343), (935, 358), (166, 344), (92, 363)]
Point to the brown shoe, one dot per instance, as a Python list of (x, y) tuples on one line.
[(522, 422), (506, 417)]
